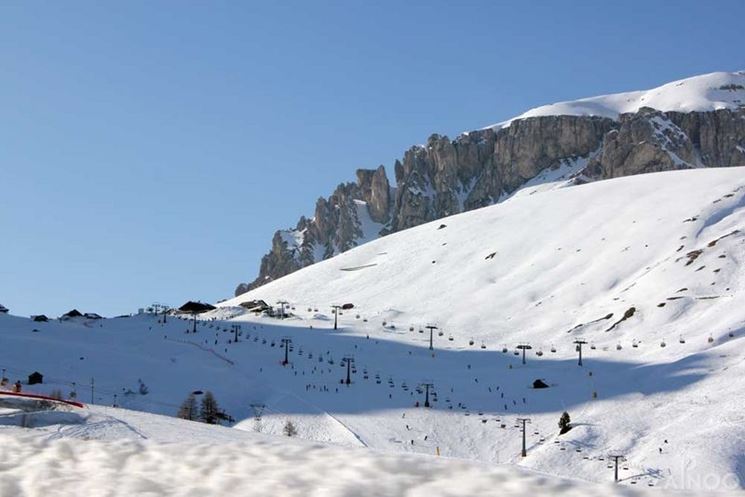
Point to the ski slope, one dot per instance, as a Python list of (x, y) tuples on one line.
[(116, 452), (706, 92), (564, 264), (546, 267)]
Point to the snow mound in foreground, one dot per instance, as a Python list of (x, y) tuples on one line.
[(44, 467)]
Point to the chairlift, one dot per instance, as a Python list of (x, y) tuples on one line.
[(592, 346), (539, 353), (553, 349), (470, 342), (440, 333), (450, 338), (411, 328), (635, 344), (618, 347), (711, 339), (483, 345), (504, 350), (663, 344)]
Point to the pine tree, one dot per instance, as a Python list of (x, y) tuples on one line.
[(210, 410), (289, 429), (188, 409), (564, 421)]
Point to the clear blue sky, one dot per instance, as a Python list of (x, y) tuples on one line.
[(149, 149)]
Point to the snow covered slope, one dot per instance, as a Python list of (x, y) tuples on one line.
[(628, 265), (707, 92), (646, 269), (115, 452)]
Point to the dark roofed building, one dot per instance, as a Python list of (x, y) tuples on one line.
[(91, 315), (196, 307), (3, 309), (35, 377), (41, 318), (255, 305), (72, 314)]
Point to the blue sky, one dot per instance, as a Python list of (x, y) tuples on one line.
[(149, 150)]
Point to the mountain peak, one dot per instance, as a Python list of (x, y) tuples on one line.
[(702, 93)]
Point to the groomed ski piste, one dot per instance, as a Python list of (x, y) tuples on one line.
[(646, 270)]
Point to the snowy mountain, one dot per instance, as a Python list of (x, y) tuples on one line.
[(647, 270), (705, 93), (695, 122)]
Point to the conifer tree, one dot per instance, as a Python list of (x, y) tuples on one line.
[(210, 410), (289, 429), (188, 409), (564, 421)]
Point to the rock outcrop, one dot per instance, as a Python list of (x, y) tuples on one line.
[(445, 177)]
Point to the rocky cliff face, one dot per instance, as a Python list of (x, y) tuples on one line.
[(479, 168)]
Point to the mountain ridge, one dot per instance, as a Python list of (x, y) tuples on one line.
[(701, 123)]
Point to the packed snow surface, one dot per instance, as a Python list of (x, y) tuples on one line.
[(137, 454), (647, 270), (707, 92)]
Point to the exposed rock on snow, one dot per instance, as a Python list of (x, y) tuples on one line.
[(696, 122)]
